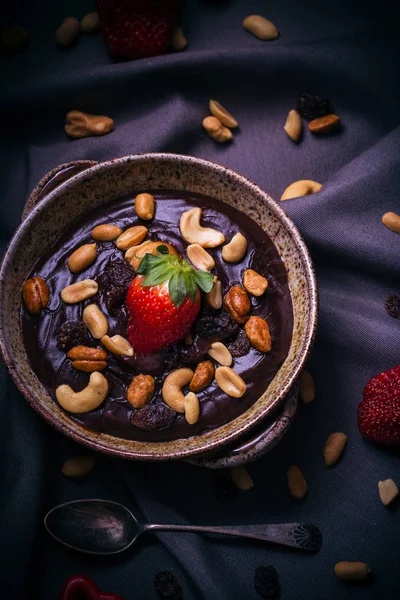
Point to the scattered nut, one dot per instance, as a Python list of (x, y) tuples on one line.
[(221, 354), (79, 291), (140, 390), (323, 124), (333, 448), (172, 388), (134, 254), (106, 232), (306, 387), (35, 294), (192, 408), (13, 39), (79, 124), (237, 304), (218, 132), (88, 399), (352, 571), (88, 359), (230, 382), (303, 187), (194, 233), (68, 32), (296, 482), (241, 478), (95, 321), (214, 298), (220, 112), (254, 283), (392, 221), (178, 41), (78, 466), (200, 258), (117, 345), (236, 249), (82, 258), (203, 376), (145, 206), (257, 331), (388, 491), (293, 125), (131, 237), (260, 27), (90, 23)]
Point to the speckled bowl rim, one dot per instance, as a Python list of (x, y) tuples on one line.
[(156, 451)]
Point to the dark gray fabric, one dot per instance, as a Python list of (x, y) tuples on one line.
[(348, 51)]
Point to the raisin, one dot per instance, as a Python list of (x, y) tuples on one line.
[(241, 345), (167, 586), (172, 358), (114, 282), (392, 306), (216, 328), (266, 581), (71, 334), (196, 352), (224, 488), (313, 107), (153, 416)]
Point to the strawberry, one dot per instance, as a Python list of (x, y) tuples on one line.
[(379, 411), (137, 28), (163, 300)]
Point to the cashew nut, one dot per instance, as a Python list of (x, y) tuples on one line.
[(200, 258), (172, 388), (236, 249), (88, 399), (303, 187), (194, 233)]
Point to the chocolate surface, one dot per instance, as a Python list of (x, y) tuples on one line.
[(114, 416)]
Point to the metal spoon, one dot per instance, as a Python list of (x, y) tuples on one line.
[(103, 527)]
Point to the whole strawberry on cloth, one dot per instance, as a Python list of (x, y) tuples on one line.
[(80, 587), (379, 411), (163, 300), (137, 28)]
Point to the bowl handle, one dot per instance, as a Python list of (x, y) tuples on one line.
[(54, 178)]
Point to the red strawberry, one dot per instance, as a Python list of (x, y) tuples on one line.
[(137, 28), (379, 411), (163, 300)]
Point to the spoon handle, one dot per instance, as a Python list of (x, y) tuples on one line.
[(301, 536)]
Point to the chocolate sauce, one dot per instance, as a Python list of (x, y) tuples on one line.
[(113, 416)]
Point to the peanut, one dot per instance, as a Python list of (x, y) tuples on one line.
[(35, 294), (333, 448), (194, 233), (106, 232), (257, 331), (261, 27), (254, 283), (192, 408), (235, 250), (178, 41), (79, 124), (392, 221), (78, 466), (352, 571), (388, 491), (82, 258), (134, 254), (90, 23), (303, 187), (172, 388), (241, 478), (296, 482), (145, 206), (218, 111), (140, 390), (95, 321), (117, 345), (200, 258), (79, 291), (221, 354), (306, 387), (203, 376), (131, 237), (214, 298), (88, 359), (68, 32), (86, 400), (218, 132), (237, 304), (230, 382), (293, 125), (323, 124)]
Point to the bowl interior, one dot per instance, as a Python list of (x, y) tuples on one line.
[(107, 181)]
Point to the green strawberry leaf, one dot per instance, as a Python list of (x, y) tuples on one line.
[(177, 289), (204, 280), (162, 249)]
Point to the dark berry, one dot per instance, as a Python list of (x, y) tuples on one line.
[(266, 581), (224, 488), (114, 282), (216, 328), (392, 306), (167, 586), (313, 107), (240, 346), (153, 416), (195, 352), (71, 334)]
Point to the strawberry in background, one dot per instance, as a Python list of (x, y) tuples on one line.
[(137, 28)]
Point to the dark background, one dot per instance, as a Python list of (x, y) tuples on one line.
[(347, 51)]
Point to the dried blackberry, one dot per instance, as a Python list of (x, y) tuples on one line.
[(392, 306), (71, 334), (114, 282), (266, 581), (241, 345), (196, 352), (313, 107), (153, 416), (216, 328), (167, 586)]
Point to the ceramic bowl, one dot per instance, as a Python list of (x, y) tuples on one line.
[(98, 184)]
